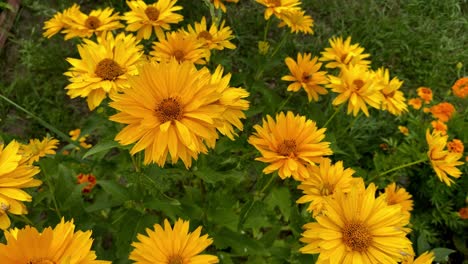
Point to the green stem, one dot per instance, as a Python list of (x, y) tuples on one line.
[(284, 102), (42, 122), (267, 28), (268, 184), (52, 192), (283, 40), (403, 166), (333, 115)]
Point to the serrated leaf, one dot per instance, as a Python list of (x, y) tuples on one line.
[(100, 147), (441, 254)]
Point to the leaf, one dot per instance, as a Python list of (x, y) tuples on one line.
[(442, 254), (423, 245), (240, 243), (281, 198), (117, 191), (100, 147)]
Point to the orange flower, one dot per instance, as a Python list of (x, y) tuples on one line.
[(404, 130), (83, 178), (463, 212), (442, 111), (425, 94), (439, 126), (456, 146), (416, 103), (460, 88)]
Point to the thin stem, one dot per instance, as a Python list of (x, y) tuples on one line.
[(333, 115), (52, 192), (42, 122), (283, 40), (267, 28), (268, 184), (403, 166), (284, 102)]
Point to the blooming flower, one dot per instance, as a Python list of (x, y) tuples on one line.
[(394, 99), (416, 103), (278, 7), (86, 178), (170, 245), (59, 21), (182, 47), (456, 146), (37, 149), (442, 111), (289, 144), (297, 21), (460, 87), (398, 195), (439, 126), (343, 53), (215, 37), (425, 94)]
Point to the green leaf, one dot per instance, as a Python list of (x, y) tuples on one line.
[(100, 147), (441, 254), (423, 245), (281, 198), (240, 243), (117, 191)]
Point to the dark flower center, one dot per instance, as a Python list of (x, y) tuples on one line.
[(205, 34), (92, 22), (152, 13), (287, 147), (169, 109), (108, 69), (357, 236)]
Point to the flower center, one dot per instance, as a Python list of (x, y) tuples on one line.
[(175, 259), (306, 77), (287, 147), (40, 261), (275, 2), (205, 34), (327, 189), (179, 55), (357, 236), (169, 110), (152, 13), (108, 69), (359, 84), (343, 58), (92, 22)]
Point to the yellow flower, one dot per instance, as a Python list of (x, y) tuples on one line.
[(169, 245), (219, 4), (394, 99), (297, 21), (103, 68), (416, 103), (181, 47), (398, 195), (323, 181), (439, 126), (233, 102), (404, 130), (37, 149), (443, 162), (213, 37), (460, 87), (59, 21), (289, 144), (97, 22), (358, 228), (305, 73), (442, 111), (359, 87), (144, 18), (456, 146), (341, 54), (425, 94), (76, 135), (59, 245), (171, 109), (278, 7), (424, 258), (15, 174)]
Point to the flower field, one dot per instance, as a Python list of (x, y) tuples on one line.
[(233, 131)]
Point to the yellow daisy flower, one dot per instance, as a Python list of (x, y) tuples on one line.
[(181, 47), (168, 245), (289, 144), (357, 228), (443, 161), (278, 7), (341, 54), (394, 99), (213, 38), (97, 22), (15, 174), (425, 258), (59, 21), (144, 18), (305, 73), (323, 181), (297, 21), (232, 100), (103, 68), (219, 4), (37, 149), (59, 245), (359, 87), (398, 195), (171, 109)]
